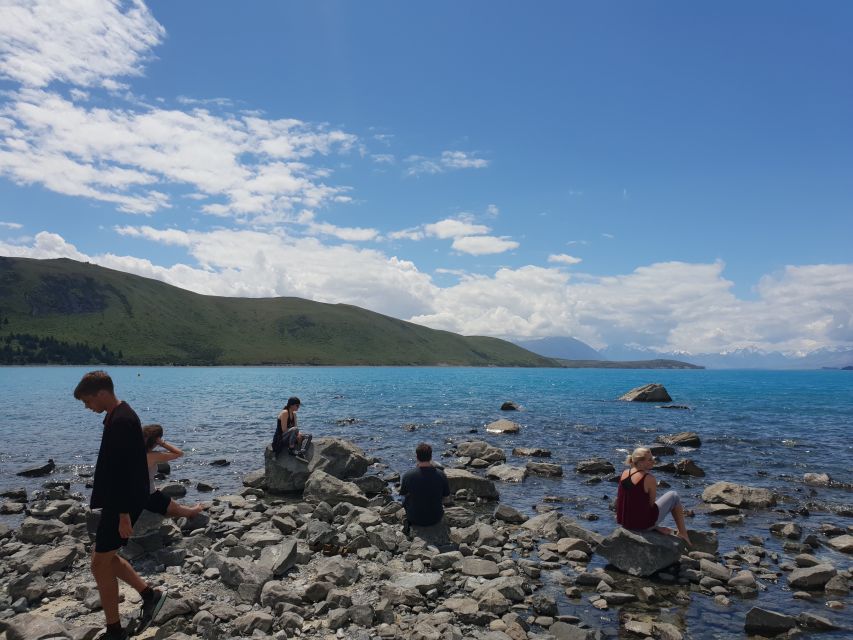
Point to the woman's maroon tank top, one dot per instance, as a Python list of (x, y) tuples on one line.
[(633, 510)]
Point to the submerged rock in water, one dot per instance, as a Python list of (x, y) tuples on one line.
[(509, 406), (647, 393), (640, 553), (545, 469), (595, 465), (689, 468), (768, 623), (506, 473), (480, 449), (503, 426), (37, 472), (534, 452), (737, 495)]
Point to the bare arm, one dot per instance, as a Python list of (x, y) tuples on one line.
[(651, 487), (171, 453)]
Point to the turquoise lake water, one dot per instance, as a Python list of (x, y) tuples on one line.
[(763, 428)]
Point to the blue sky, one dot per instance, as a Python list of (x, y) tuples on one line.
[(669, 175)]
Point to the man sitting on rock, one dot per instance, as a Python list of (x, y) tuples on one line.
[(424, 489)]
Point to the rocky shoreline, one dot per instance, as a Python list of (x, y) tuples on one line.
[(317, 551)]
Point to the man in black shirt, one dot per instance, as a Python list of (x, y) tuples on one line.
[(120, 490), (423, 489)]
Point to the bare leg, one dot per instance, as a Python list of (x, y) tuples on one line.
[(108, 568), (176, 510), (678, 516), (664, 530)]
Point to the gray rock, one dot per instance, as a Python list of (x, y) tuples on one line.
[(482, 450), (817, 479), (176, 608), (30, 586), (844, 543), (284, 473), (256, 479), (33, 626), (715, 570), (506, 513), (682, 439), (768, 623), (503, 426), (423, 582), (443, 561), (688, 468), (337, 618), (480, 487), (506, 473), (510, 587), (249, 622), (704, 541), (790, 530), (814, 577), (173, 490), (535, 452), (41, 531), (640, 553), (740, 496), (279, 559), (323, 487), (510, 406), (18, 494), (56, 559), (807, 620), (457, 516), (595, 466), (545, 469), (261, 537), (479, 567), (318, 533), (338, 571), (371, 485), (339, 458), (647, 393), (566, 631)]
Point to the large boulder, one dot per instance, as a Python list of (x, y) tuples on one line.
[(56, 559), (814, 577), (503, 426), (324, 487), (339, 458), (482, 450), (640, 553), (284, 473), (736, 495), (480, 487), (38, 531), (647, 393)]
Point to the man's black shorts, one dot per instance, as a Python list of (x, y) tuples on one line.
[(107, 537), (158, 502)]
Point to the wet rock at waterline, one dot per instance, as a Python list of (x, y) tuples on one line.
[(647, 393)]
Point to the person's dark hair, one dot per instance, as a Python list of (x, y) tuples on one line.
[(151, 433), (292, 401), (424, 452), (92, 383)]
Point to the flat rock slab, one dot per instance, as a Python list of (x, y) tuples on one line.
[(32, 626), (595, 466), (814, 577), (740, 496), (768, 623), (647, 393), (479, 567), (842, 543), (503, 426), (683, 439), (423, 582), (545, 469), (480, 487), (39, 471), (57, 559)]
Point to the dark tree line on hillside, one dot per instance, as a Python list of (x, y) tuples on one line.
[(25, 348)]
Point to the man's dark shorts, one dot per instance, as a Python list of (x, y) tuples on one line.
[(107, 537), (158, 502)]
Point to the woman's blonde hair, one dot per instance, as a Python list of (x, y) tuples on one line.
[(640, 453)]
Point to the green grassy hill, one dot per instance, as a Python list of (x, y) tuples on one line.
[(109, 316)]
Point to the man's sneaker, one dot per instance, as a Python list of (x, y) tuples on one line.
[(150, 609), (121, 634)]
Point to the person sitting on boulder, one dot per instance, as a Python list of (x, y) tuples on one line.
[(424, 489), (636, 505), (158, 502), (287, 434)]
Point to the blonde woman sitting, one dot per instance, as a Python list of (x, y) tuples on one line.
[(637, 504)]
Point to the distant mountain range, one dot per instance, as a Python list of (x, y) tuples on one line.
[(574, 349), (574, 354)]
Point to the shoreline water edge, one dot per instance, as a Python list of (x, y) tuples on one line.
[(318, 550)]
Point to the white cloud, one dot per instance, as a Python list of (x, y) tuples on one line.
[(448, 161), (383, 158), (246, 164), (164, 236), (85, 43), (407, 234), (493, 210), (454, 228), (483, 245), (563, 258), (608, 236), (350, 234), (671, 306), (11, 225)]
